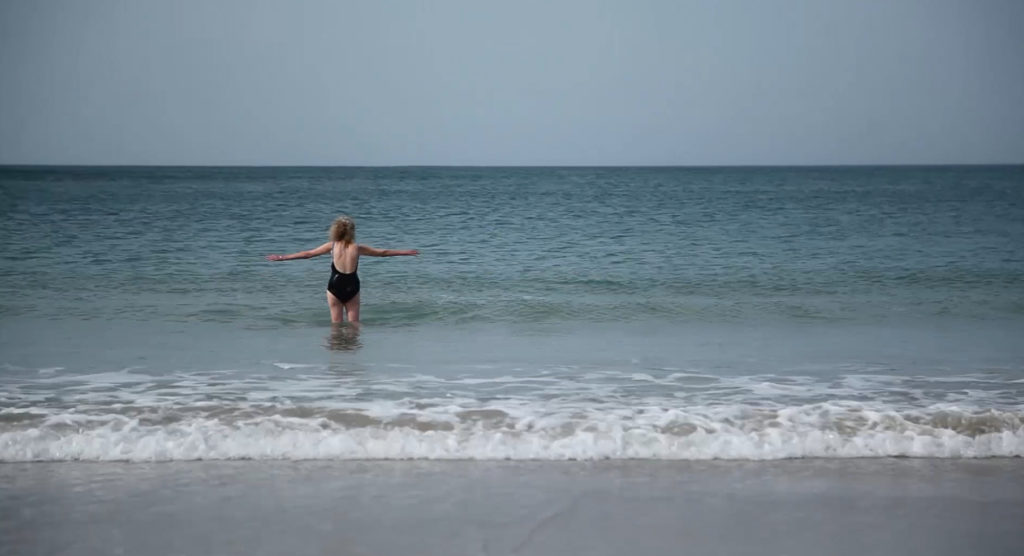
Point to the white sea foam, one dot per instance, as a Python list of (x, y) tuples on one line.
[(465, 430), (551, 413), (290, 366)]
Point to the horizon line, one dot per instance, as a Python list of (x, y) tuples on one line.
[(399, 166)]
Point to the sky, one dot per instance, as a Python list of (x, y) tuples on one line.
[(524, 82)]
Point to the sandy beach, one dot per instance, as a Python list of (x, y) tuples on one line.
[(799, 507)]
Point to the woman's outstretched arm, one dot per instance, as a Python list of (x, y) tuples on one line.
[(374, 252), (325, 248)]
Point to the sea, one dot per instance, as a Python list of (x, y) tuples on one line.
[(553, 313), (614, 320)]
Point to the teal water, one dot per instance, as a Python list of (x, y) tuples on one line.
[(858, 310), (518, 245)]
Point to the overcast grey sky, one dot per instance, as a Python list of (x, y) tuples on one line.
[(575, 82)]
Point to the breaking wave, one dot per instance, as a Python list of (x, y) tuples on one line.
[(531, 432)]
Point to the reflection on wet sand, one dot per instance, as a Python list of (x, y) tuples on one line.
[(344, 337)]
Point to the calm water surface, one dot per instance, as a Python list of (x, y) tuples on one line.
[(590, 313)]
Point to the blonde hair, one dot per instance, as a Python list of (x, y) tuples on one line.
[(343, 229)]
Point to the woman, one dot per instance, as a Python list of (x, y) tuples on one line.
[(343, 286)]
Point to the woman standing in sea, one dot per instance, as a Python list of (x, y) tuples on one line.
[(343, 286)]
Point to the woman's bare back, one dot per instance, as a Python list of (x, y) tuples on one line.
[(345, 257)]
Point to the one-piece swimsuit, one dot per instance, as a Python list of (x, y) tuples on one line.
[(341, 285)]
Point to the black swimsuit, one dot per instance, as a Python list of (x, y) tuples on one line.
[(341, 285)]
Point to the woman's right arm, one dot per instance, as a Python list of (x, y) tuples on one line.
[(374, 252), (302, 254)]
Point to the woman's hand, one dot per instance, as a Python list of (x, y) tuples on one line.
[(275, 257)]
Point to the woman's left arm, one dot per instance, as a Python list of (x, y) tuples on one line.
[(325, 248)]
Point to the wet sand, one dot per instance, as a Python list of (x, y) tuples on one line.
[(797, 507)]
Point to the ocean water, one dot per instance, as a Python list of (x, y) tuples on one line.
[(554, 313)]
